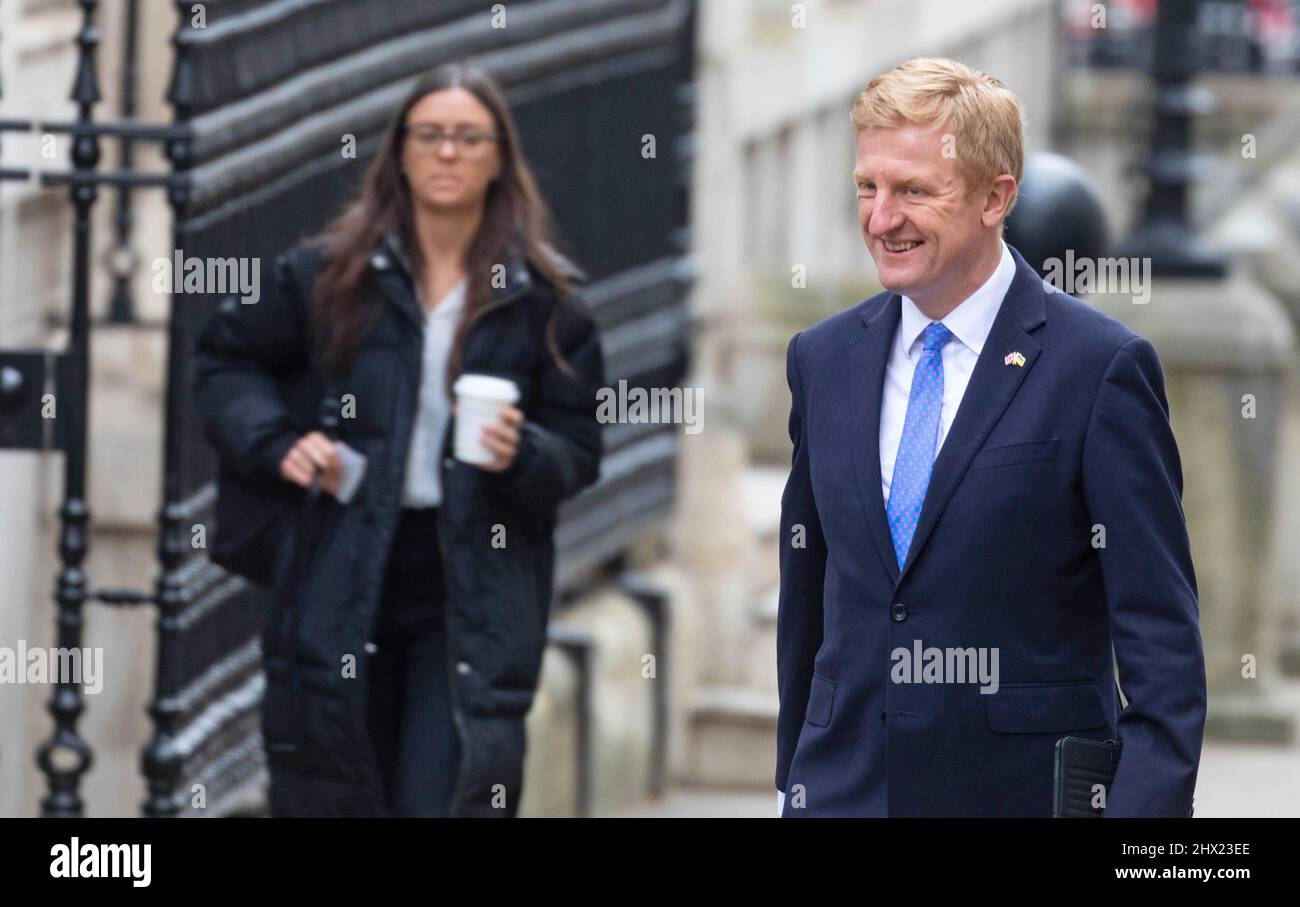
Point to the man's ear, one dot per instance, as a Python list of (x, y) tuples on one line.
[(999, 198)]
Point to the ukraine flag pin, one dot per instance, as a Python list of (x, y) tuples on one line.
[(1014, 357)]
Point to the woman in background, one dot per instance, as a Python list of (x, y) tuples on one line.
[(404, 652)]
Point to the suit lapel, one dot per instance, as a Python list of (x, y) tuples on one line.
[(990, 390), (868, 357)]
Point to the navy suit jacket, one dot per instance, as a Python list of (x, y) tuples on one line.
[(1009, 553)]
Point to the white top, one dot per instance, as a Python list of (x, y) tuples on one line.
[(423, 486), (970, 324)]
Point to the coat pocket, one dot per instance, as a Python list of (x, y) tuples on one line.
[(1044, 708), (281, 731), (253, 524), (1019, 452), (491, 773), (307, 727), (821, 700)]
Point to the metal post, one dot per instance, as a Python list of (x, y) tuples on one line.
[(162, 764), (578, 645), (65, 756), (122, 258), (1165, 236), (647, 592)]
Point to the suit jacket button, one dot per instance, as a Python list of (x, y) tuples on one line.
[(898, 612), (462, 667), (448, 462)]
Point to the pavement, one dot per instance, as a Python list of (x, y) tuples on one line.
[(1235, 780)]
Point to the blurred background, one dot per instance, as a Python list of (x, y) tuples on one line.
[(698, 156)]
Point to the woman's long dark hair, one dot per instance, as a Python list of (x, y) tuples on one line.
[(514, 212)]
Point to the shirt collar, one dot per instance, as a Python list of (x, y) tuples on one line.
[(450, 304), (971, 321), (517, 276)]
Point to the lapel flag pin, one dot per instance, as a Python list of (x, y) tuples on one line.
[(1017, 357)]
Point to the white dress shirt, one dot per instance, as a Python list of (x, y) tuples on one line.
[(423, 486), (970, 323)]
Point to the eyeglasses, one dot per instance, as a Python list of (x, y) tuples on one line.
[(470, 143)]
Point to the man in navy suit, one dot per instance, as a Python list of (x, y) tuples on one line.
[(983, 518)]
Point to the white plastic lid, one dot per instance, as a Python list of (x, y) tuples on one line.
[(487, 387)]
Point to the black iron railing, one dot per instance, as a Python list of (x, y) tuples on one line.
[(262, 95)]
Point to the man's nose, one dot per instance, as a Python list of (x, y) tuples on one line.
[(883, 217)]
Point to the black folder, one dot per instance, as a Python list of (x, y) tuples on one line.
[(1080, 765)]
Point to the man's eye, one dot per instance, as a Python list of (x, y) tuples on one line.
[(913, 189)]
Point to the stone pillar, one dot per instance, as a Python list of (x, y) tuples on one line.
[(1224, 343), (1265, 232), (713, 543)]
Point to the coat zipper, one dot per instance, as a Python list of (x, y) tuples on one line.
[(448, 603), (298, 579), (304, 550)]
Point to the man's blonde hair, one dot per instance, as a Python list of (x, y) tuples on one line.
[(983, 116)]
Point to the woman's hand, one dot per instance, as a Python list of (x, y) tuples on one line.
[(501, 438), (313, 453)]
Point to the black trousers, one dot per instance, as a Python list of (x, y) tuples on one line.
[(410, 703)]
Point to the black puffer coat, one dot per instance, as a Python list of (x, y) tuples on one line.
[(257, 382)]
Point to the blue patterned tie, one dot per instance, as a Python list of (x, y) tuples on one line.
[(916, 449)]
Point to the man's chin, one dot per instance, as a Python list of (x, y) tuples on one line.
[(902, 284)]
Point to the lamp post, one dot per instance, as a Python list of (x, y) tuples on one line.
[(1165, 235)]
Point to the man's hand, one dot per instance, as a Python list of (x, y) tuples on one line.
[(313, 453)]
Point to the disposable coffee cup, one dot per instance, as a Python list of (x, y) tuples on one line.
[(479, 399)]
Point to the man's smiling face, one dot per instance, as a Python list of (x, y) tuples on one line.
[(929, 238)]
